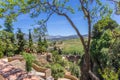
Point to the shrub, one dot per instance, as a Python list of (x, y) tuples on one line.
[(29, 60), (56, 58), (109, 74), (1, 54), (57, 71), (74, 69)]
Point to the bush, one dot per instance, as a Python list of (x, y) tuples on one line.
[(110, 74), (74, 69), (57, 71), (1, 54), (7, 46), (29, 60), (56, 58), (1, 49)]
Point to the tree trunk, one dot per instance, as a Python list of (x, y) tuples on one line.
[(85, 67), (86, 73)]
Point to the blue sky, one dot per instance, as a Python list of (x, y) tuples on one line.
[(57, 25)]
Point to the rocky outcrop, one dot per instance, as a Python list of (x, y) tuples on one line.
[(63, 79), (18, 64), (15, 70), (47, 72), (15, 58), (9, 72), (71, 77)]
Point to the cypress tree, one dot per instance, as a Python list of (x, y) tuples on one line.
[(30, 40), (39, 45), (21, 41), (45, 43)]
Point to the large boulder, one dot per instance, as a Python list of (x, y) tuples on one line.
[(46, 71), (18, 64), (15, 58)]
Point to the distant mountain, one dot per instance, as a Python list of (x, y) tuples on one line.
[(63, 37), (55, 38)]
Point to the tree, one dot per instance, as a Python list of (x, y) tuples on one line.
[(8, 27), (21, 41), (60, 7), (102, 25), (45, 43), (101, 43), (30, 40), (39, 45), (7, 48), (40, 32), (117, 6)]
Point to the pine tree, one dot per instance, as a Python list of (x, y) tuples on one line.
[(30, 40), (8, 25), (45, 43), (21, 41), (9, 28), (39, 45)]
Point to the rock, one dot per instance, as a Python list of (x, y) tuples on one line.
[(49, 57), (9, 72), (34, 72), (1, 78), (4, 59), (42, 59), (15, 58), (18, 64), (71, 77), (63, 79), (46, 71)]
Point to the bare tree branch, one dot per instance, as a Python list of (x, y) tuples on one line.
[(93, 76), (72, 24)]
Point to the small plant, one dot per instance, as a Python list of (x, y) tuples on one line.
[(57, 71), (74, 69), (29, 60), (58, 59), (1, 54)]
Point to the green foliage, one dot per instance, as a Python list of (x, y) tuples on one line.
[(102, 25), (109, 74), (39, 50), (42, 45), (30, 40), (74, 69), (56, 58), (45, 43), (58, 65), (115, 54), (20, 41), (57, 71), (29, 60), (101, 44), (102, 37), (8, 25), (7, 47), (1, 49)]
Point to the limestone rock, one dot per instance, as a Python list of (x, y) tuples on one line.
[(18, 64)]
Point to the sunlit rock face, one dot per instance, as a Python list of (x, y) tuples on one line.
[(15, 70), (10, 72)]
